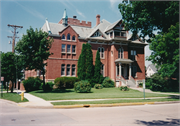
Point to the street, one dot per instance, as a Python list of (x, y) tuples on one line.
[(143, 115)]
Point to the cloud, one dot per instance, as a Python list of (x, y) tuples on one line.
[(80, 13), (32, 11), (114, 2)]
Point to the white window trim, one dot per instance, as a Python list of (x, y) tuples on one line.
[(62, 48), (101, 53), (119, 53)]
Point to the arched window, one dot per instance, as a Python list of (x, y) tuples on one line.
[(120, 53), (63, 36), (73, 70), (101, 52), (68, 70), (73, 38), (68, 37), (63, 69)]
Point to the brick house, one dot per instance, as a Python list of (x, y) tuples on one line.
[(122, 55)]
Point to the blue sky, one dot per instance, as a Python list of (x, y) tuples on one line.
[(33, 13)]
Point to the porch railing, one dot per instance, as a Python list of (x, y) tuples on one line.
[(123, 80), (132, 79)]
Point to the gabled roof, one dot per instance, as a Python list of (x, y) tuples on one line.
[(112, 25), (153, 67)]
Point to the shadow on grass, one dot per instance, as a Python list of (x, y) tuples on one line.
[(168, 122), (56, 91), (175, 96)]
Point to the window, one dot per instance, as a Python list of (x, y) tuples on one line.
[(63, 36), (73, 38), (63, 48), (120, 53), (68, 48), (101, 52), (123, 34), (73, 70), (63, 69), (102, 69), (68, 37), (68, 70), (133, 54), (37, 72), (117, 33), (73, 48)]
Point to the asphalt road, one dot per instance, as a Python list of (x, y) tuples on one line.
[(142, 115)]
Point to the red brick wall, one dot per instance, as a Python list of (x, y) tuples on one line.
[(74, 21)]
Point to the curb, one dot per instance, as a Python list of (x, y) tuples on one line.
[(101, 105)]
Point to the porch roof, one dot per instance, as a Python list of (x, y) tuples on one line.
[(123, 60)]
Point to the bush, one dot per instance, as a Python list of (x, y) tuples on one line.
[(107, 82), (48, 86), (32, 84), (65, 82), (124, 88), (82, 86), (140, 84), (98, 86)]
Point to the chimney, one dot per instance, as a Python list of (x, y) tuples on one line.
[(97, 19)]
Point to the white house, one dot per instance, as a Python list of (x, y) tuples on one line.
[(151, 69)]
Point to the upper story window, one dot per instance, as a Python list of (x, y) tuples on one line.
[(73, 38), (73, 48), (63, 48), (68, 48), (120, 53), (101, 52), (68, 37), (96, 34), (133, 54), (63, 36)]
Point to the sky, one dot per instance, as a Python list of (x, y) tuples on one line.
[(33, 13)]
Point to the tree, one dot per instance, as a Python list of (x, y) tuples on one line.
[(89, 63), (11, 67), (34, 50), (97, 69), (165, 53), (144, 17)]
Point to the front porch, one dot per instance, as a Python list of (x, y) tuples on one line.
[(125, 73)]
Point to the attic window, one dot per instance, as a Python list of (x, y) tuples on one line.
[(63, 36), (96, 34)]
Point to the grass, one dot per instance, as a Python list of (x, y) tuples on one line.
[(114, 101), (67, 94), (13, 97)]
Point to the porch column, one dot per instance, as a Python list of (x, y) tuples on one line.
[(116, 70), (119, 69), (129, 70)]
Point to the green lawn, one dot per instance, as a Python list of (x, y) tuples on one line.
[(95, 94), (114, 101), (13, 97)]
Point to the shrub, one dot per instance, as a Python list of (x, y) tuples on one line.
[(48, 86), (98, 86), (107, 82), (82, 86), (124, 88), (65, 82), (140, 84), (32, 84)]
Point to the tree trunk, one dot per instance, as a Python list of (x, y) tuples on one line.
[(12, 87), (43, 80)]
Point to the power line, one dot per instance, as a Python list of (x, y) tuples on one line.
[(14, 36)]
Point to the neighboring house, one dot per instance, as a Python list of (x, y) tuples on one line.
[(151, 69), (122, 55)]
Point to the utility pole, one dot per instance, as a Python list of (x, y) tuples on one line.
[(14, 36)]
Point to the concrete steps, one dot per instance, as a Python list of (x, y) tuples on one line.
[(131, 84)]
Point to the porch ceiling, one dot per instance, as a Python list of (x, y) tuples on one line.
[(123, 61)]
